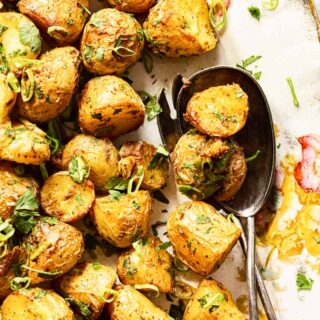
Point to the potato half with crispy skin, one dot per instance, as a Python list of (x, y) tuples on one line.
[(35, 304), (61, 20), (63, 198), (132, 6), (146, 263), (112, 41), (100, 154), (109, 107), (178, 28), (212, 301), (85, 284), (122, 220), (201, 236), (218, 111), (54, 78)]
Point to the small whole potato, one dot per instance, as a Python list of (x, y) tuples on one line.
[(109, 107), (146, 263), (121, 220), (100, 154), (7, 100), (35, 304), (155, 164), (54, 81), (178, 28), (218, 111), (112, 41), (201, 236), (132, 6), (63, 198), (61, 20), (86, 283)]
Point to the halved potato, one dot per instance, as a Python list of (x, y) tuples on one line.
[(132, 6)]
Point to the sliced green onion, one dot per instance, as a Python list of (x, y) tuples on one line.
[(57, 32), (214, 302), (111, 292), (6, 230), (179, 265), (139, 175), (85, 8), (18, 283), (271, 4), (126, 52), (44, 172), (42, 273), (149, 287), (147, 61), (213, 14), (254, 156), (22, 63), (54, 144), (27, 86), (293, 92), (13, 82), (182, 290)]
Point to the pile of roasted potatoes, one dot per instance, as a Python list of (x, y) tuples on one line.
[(62, 100)]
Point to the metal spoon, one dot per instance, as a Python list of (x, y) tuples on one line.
[(257, 134)]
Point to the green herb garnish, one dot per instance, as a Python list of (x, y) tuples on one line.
[(254, 156), (304, 283), (152, 106), (293, 92), (29, 36), (255, 12), (78, 169)]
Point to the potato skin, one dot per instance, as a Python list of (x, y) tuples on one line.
[(218, 111), (178, 28), (209, 288), (63, 198), (201, 236), (122, 221), (109, 107), (132, 6), (106, 30), (100, 154), (35, 304), (54, 248), (138, 153), (133, 305), (67, 14), (54, 85), (153, 266), (84, 283)]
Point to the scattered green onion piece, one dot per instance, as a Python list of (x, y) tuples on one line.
[(212, 14), (253, 157), (126, 52), (27, 86), (42, 273), (13, 82), (85, 8), (78, 169), (139, 175), (182, 290), (22, 63), (293, 92), (54, 144), (150, 287), (271, 4), (111, 292), (147, 61), (179, 265), (6, 230), (44, 172), (214, 302), (18, 283), (57, 32)]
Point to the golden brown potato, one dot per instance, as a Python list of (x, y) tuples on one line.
[(212, 302), (86, 283), (111, 42), (63, 198), (121, 220), (130, 304), (201, 236), (218, 111), (55, 80), (109, 107), (146, 263), (61, 20), (178, 28), (100, 154), (155, 164), (35, 304), (132, 6), (7, 100), (55, 248)]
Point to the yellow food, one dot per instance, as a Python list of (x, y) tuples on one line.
[(132, 6)]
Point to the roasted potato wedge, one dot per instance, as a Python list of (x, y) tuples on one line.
[(218, 111), (130, 304), (100, 154), (62, 21), (146, 263), (54, 249), (86, 283), (63, 198), (201, 236), (35, 304), (132, 6), (212, 302), (178, 28), (122, 220), (155, 165), (111, 42), (54, 79), (109, 107)]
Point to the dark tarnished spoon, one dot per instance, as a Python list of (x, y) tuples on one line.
[(256, 135)]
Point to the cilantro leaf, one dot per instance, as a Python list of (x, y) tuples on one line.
[(255, 12), (152, 106), (161, 155), (304, 283)]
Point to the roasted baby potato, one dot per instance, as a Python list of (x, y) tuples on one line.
[(112, 41), (109, 107), (155, 164), (35, 304), (132, 6), (7, 99), (52, 83), (178, 28), (61, 20), (55, 247), (201, 236), (63, 198), (121, 220), (130, 304), (85, 284), (146, 263), (212, 301), (218, 111), (100, 154)]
